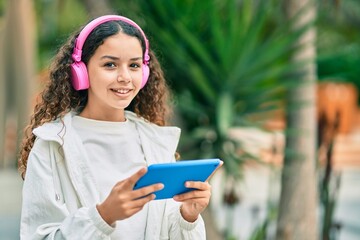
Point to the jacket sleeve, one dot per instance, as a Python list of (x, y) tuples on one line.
[(175, 227), (45, 213)]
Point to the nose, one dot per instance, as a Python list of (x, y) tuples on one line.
[(124, 75)]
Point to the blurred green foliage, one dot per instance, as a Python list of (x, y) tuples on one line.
[(342, 64), (339, 41), (224, 59), (2, 7), (338, 31), (56, 20)]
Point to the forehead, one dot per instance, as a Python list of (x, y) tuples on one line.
[(120, 43)]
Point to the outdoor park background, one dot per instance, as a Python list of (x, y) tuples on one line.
[(271, 88)]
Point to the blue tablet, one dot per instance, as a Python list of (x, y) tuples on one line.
[(174, 175)]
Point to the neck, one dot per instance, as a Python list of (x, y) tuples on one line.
[(114, 116)]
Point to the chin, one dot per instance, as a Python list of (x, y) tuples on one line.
[(121, 106)]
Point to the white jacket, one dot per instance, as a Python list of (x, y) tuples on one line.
[(59, 194)]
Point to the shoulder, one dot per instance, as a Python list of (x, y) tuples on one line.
[(156, 137), (40, 146), (40, 157), (54, 130)]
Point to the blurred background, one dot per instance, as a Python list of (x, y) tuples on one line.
[(269, 86)]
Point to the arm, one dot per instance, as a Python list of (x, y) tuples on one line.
[(186, 222), (52, 210), (45, 213), (175, 227)]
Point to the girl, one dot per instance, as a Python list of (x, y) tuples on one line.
[(83, 152)]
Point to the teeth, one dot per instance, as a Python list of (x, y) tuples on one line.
[(122, 91)]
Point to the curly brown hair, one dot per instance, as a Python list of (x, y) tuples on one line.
[(59, 97)]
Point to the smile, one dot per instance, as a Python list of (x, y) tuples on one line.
[(121, 91)]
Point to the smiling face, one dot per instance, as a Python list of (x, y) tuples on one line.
[(115, 75)]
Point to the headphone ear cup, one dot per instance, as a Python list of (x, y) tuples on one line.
[(79, 76), (146, 73)]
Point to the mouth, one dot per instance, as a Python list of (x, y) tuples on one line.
[(121, 90)]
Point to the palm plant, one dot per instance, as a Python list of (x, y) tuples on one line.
[(224, 59), (339, 30)]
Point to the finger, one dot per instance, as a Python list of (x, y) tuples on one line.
[(217, 168), (144, 191), (132, 211), (140, 202), (193, 195), (203, 186), (130, 182), (133, 206)]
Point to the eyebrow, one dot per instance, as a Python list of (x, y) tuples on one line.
[(116, 58)]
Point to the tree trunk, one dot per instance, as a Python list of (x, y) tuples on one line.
[(2, 100), (19, 67), (297, 217)]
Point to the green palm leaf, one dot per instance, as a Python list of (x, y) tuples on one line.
[(225, 59)]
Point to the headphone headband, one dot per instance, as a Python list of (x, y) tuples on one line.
[(85, 32)]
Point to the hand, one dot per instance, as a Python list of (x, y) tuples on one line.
[(195, 202), (123, 201)]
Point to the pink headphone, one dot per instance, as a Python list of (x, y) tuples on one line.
[(79, 75)]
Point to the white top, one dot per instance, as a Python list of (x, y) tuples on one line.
[(60, 193), (115, 153)]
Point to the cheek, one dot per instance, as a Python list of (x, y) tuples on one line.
[(99, 78), (137, 78)]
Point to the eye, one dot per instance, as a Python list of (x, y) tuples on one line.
[(110, 65), (135, 65)]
